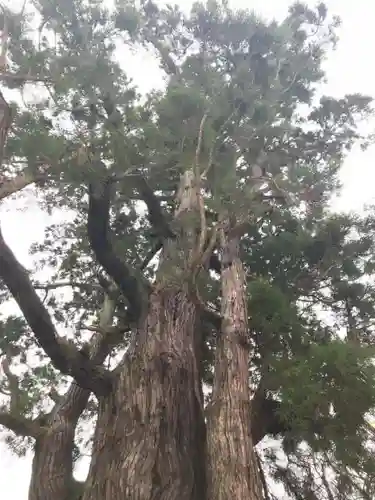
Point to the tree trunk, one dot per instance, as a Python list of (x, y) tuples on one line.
[(150, 435), (52, 469), (233, 472)]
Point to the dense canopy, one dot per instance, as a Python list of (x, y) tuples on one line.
[(239, 141)]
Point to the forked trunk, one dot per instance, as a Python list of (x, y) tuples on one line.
[(233, 472), (149, 440)]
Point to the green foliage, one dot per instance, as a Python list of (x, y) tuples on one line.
[(334, 375), (257, 84)]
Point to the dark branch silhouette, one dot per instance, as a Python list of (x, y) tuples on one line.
[(98, 233), (265, 419), (64, 356), (156, 215), (21, 426)]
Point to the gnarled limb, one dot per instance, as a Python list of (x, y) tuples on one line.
[(65, 358), (98, 233)]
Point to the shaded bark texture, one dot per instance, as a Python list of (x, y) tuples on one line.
[(149, 440), (52, 468), (233, 470)]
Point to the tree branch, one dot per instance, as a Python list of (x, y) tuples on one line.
[(55, 396), (12, 418), (156, 215), (265, 419), (98, 233), (65, 358), (70, 405), (21, 426), (262, 477), (65, 284)]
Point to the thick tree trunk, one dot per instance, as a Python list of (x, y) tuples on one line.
[(233, 472), (52, 469), (149, 440)]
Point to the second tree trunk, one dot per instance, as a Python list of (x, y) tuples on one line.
[(233, 472)]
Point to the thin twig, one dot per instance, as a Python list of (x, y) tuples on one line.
[(262, 477), (202, 214)]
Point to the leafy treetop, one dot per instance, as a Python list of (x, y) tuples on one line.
[(240, 104)]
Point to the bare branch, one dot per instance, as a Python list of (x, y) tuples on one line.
[(20, 425), (65, 358), (202, 211), (262, 477)]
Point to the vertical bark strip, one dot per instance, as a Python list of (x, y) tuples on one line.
[(149, 440), (52, 468), (232, 464)]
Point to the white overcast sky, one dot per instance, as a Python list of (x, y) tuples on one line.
[(351, 68)]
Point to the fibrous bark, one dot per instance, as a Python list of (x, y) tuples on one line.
[(149, 439), (52, 469), (233, 469)]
